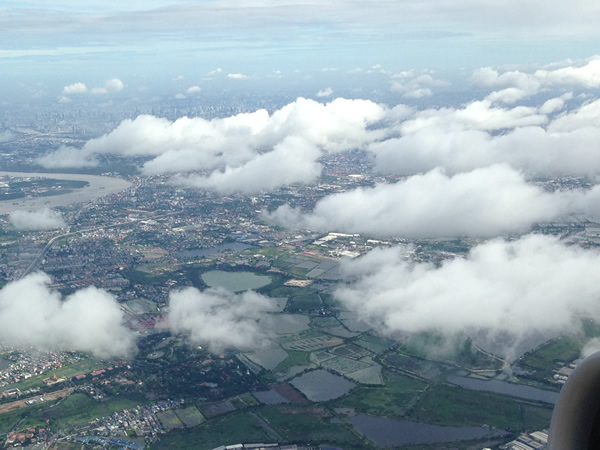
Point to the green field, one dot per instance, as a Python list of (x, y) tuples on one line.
[(235, 428), (78, 409), (68, 371), (295, 358), (312, 425), (450, 405), (391, 400), (564, 349), (304, 303)]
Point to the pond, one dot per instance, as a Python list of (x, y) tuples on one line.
[(502, 387), (320, 385), (390, 432), (235, 281)]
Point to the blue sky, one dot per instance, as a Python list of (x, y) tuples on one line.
[(152, 42)]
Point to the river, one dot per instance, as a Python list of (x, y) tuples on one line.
[(99, 186), (390, 432), (502, 387)]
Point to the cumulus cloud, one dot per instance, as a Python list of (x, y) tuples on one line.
[(68, 157), (193, 89), (227, 145), (236, 76), (486, 202), (411, 85), (220, 319), (33, 315), (327, 92), (583, 74), (292, 161), (41, 219), (75, 88), (503, 294), (111, 86), (464, 139)]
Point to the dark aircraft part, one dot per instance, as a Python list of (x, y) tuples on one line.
[(575, 421)]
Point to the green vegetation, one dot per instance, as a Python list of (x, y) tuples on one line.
[(235, 428), (459, 351), (68, 371), (304, 303), (79, 409), (295, 358), (391, 400), (144, 278), (448, 405), (10, 419), (311, 425), (563, 349)]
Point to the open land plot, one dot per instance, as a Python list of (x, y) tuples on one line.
[(170, 420), (562, 349), (76, 410), (290, 393), (7, 407), (269, 358), (391, 400), (235, 428), (270, 397), (67, 371), (313, 344), (286, 324), (421, 367), (190, 416), (351, 351), (368, 375), (374, 344), (447, 405), (141, 306), (216, 409), (324, 322), (294, 358), (344, 365), (311, 425)]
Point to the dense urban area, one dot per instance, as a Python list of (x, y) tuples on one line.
[(326, 379)]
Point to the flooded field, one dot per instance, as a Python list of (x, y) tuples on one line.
[(320, 385), (235, 281), (288, 323), (389, 432)]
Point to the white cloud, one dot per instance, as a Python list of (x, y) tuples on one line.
[(220, 319), (486, 202), (464, 139), (193, 89), (327, 92), (75, 88), (236, 76), (89, 320), (497, 295), (67, 157), (583, 74), (230, 145), (41, 219), (111, 86), (291, 161), (411, 85), (114, 85)]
